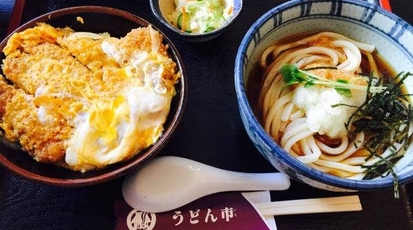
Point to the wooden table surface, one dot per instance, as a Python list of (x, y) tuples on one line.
[(211, 132)]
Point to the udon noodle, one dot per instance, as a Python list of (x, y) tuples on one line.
[(303, 118)]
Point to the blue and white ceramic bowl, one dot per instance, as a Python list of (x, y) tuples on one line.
[(359, 20), (162, 8)]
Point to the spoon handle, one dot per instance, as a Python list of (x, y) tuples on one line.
[(239, 181)]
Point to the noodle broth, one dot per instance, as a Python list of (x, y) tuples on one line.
[(391, 37), (333, 154)]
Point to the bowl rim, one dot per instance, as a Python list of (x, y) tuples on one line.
[(144, 155), (154, 4), (279, 152)]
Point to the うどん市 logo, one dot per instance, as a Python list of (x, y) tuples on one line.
[(138, 220)]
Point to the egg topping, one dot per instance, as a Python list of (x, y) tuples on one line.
[(84, 100)]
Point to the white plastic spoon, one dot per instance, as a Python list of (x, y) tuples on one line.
[(168, 182)]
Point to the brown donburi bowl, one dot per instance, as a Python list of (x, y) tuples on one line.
[(118, 23)]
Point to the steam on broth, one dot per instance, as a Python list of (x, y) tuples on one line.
[(318, 95)]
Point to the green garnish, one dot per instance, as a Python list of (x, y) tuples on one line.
[(209, 29), (292, 75), (180, 24), (179, 21), (387, 121), (343, 91)]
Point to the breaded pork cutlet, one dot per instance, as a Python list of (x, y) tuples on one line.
[(19, 120), (82, 100)]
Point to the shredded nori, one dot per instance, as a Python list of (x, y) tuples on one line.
[(386, 118)]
